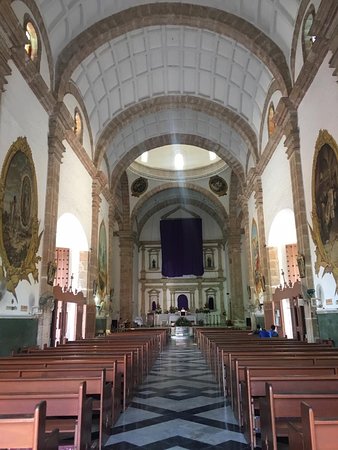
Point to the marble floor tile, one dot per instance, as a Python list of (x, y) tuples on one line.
[(178, 407)]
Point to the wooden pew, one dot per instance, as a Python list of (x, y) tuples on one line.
[(71, 413), (277, 410), (275, 367), (111, 378), (254, 388), (96, 387), (314, 433), (28, 431), (123, 360)]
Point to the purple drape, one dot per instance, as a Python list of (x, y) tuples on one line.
[(182, 247)]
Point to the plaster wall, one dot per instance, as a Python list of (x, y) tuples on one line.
[(299, 61), (16, 119), (20, 9), (75, 195), (277, 187), (151, 230), (71, 103), (318, 110)]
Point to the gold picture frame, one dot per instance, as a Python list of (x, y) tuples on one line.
[(324, 204), (19, 225)]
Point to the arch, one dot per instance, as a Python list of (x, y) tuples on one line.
[(182, 102), (182, 302), (202, 17), (73, 90), (70, 234), (33, 44), (198, 141), (307, 39), (212, 206), (31, 5), (283, 229)]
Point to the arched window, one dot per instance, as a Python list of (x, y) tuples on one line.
[(307, 38), (78, 128), (271, 119), (32, 46)]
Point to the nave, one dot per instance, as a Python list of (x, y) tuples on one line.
[(179, 406)]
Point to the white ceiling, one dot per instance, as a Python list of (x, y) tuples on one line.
[(138, 63), (66, 19), (164, 60)]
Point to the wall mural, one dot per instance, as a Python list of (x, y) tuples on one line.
[(325, 204), (19, 225), (258, 279), (102, 261)]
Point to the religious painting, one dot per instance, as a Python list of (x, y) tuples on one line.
[(19, 226), (218, 185), (102, 261), (256, 258), (325, 204), (139, 186)]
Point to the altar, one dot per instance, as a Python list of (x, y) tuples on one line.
[(170, 319)]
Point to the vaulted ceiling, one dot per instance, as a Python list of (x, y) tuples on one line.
[(197, 72)]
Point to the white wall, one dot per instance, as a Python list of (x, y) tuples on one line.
[(20, 9), (75, 194), (16, 119), (318, 110), (277, 187), (71, 103)]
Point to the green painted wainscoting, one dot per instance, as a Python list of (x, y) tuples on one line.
[(17, 333), (328, 326)]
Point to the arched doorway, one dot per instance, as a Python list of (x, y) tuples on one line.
[(182, 302)]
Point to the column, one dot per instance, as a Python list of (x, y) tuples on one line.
[(55, 154), (126, 284), (264, 266), (92, 263), (142, 279), (302, 230)]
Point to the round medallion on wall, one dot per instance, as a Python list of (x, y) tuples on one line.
[(218, 185), (139, 186)]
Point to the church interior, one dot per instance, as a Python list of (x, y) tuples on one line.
[(121, 118), (167, 159)]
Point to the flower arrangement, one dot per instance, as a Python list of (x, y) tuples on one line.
[(183, 322)]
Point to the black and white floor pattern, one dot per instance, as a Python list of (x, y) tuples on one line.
[(179, 406)]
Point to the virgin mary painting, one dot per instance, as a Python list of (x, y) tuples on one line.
[(19, 239)]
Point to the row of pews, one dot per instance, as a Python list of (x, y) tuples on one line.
[(52, 394), (280, 389)]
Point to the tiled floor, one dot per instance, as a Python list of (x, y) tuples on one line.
[(179, 406)]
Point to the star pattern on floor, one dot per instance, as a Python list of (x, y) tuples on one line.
[(179, 406)]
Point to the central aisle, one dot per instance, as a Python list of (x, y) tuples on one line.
[(179, 406)]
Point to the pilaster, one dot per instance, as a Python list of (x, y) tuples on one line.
[(126, 284), (93, 264), (264, 266), (55, 155)]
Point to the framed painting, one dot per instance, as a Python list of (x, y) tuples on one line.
[(256, 258), (325, 204), (19, 225), (102, 261)]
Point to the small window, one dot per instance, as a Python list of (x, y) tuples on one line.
[(32, 44), (271, 120), (78, 129), (307, 38)]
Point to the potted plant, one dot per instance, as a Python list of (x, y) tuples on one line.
[(182, 326)]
